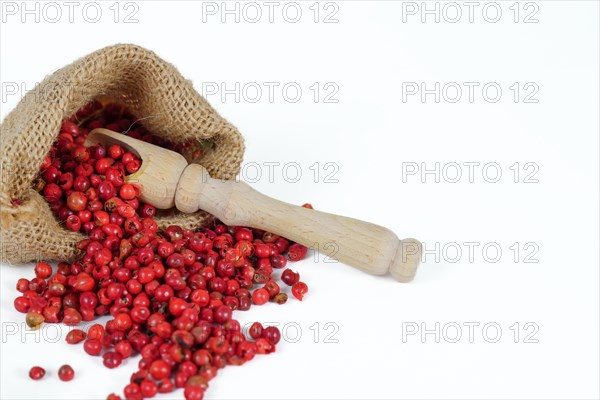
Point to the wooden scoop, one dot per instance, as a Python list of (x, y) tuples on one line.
[(167, 180)]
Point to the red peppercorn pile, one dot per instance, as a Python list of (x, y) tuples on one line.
[(171, 294)]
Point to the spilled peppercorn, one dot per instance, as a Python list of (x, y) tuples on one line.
[(171, 293)]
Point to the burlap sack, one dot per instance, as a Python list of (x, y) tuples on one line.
[(126, 74)]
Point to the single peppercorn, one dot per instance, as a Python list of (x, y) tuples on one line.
[(112, 359), (75, 336), (160, 369), (271, 334), (93, 347), (290, 277), (297, 252), (260, 296), (77, 201), (66, 373), (299, 290), (43, 270), (34, 319), (280, 298), (37, 373)]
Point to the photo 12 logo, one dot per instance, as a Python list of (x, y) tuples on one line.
[(470, 332), (271, 92), (453, 12), (53, 12), (253, 12), (469, 172), (469, 92)]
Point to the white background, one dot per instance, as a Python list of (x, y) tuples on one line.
[(370, 54)]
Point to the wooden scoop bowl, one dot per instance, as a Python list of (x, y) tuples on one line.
[(167, 180)]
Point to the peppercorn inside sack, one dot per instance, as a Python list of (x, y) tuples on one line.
[(137, 79)]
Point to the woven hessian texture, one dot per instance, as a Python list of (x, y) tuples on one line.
[(132, 76)]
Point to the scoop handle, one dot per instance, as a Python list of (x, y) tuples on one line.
[(363, 245)]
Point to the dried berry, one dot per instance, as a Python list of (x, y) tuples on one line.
[(299, 290), (37, 373), (66, 373)]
